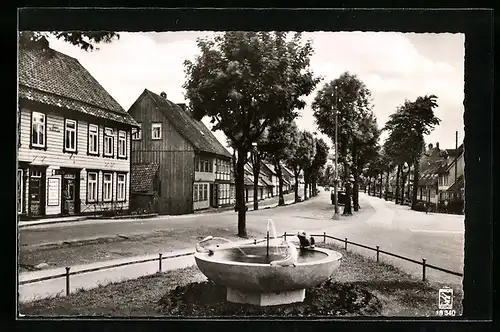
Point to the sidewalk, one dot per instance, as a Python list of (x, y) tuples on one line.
[(264, 204), (52, 287)]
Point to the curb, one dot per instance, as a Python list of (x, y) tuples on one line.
[(129, 216), (74, 242), (35, 223)]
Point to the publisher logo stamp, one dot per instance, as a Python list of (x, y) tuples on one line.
[(445, 299)]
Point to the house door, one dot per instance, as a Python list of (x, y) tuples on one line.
[(37, 193), (69, 194)]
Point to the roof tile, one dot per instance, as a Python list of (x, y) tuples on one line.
[(194, 131), (54, 78)]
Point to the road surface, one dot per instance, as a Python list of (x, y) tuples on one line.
[(438, 238)]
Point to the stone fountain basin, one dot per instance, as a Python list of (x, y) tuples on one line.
[(264, 278)]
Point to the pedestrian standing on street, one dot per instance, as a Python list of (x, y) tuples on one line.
[(426, 208)]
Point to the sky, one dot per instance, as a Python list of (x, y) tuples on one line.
[(394, 66)]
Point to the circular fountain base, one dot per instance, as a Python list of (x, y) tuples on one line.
[(265, 299), (249, 278)]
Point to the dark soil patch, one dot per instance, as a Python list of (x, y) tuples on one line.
[(330, 298)]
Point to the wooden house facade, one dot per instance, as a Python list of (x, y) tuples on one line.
[(73, 140), (194, 168)]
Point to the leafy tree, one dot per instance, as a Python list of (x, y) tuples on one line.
[(281, 144), (257, 155), (349, 98), (328, 175), (407, 128), (246, 81), (82, 39), (364, 149), (303, 156), (320, 159)]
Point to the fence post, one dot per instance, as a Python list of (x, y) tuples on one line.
[(423, 269), (159, 261), (324, 237), (345, 244), (284, 236), (67, 280), (378, 253)]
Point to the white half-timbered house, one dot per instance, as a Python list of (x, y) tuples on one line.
[(73, 140)]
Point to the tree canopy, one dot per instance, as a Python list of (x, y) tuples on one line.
[(244, 81), (82, 39)]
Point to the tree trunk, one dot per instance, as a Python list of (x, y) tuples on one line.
[(281, 199), (256, 172), (380, 189), (347, 208), (240, 196), (374, 186), (403, 180), (296, 174), (386, 184), (355, 194), (305, 184), (397, 184), (416, 176), (369, 185)]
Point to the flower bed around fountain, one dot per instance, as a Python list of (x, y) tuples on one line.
[(330, 298)]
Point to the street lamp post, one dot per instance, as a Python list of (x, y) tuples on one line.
[(335, 182)]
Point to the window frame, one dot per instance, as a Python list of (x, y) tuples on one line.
[(75, 133), (96, 192), (118, 182), (89, 152), (137, 134), (20, 190), (205, 192), (106, 137), (153, 126), (124, 140), (195, 192), (42, 146), (104, 183)]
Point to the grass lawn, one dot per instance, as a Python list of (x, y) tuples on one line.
[(396, 293)]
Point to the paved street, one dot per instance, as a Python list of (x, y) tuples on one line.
[(438, 238)]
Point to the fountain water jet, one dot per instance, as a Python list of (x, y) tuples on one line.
[(250, 278)]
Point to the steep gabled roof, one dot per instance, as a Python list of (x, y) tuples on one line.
[(270, 168), (458, 185), (53, 78), (142, 176), (430, 175), (192, 130)]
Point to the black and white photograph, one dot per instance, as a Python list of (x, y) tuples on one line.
[(218, 174)]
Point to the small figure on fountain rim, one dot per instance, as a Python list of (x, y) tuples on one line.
[(306, 240)]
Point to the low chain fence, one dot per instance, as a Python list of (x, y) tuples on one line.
[(160, 258), (378, 251)]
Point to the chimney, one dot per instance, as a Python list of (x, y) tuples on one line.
[(163, 95), (430, 146), (182, 105), (437, 145)]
